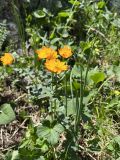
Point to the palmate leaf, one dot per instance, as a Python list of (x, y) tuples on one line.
[(6, 114), (50, 133)]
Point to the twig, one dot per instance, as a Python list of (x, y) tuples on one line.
[(91, 156), (87, 152), (1, 135), (18, 128), (7, 148), (6, 135), (20, 97)]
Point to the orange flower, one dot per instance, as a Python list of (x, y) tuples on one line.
[(50, 65), (7, 59), (65, 51), (56, 66), (46, 52)]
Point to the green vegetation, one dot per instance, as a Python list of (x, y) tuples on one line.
[(66, 109)]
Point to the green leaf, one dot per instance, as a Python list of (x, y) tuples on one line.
[(63, 14), (98, 77), (71, 107), (85, 45), (51, 134), (53, 41), (76, 71), (15, 155), (44, 148), (43, 131), (39, 14), (65, 33), (76, 85), (110, 147), (6, 114), (47, 12), (116, 22), (12, 155), (117, 72), (117, 139), (74, 2), (53, 137), (41, 158), (101, 4), (59, 128)]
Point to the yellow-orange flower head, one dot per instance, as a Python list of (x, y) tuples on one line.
[(7, 59), (56, 66), (46, 52), (65, 52)]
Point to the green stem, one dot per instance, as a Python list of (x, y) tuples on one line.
[(71, 13), (79, 102), (67, 150), (52, 109), (85, 81), (66, 92), (77, 112), (81, 96)]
